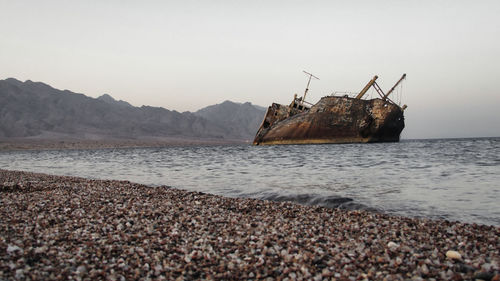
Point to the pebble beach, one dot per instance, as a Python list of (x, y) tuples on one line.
[(69, 228)]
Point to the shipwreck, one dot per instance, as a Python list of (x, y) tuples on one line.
[(334, 119)]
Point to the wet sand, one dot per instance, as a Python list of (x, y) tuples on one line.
[(55, 227)]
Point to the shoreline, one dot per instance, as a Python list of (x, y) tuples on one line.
[(66, 144), (60, 227)]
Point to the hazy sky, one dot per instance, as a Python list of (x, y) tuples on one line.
[(184, 55)]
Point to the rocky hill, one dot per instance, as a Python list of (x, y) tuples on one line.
[(242, 120), (34, 109)]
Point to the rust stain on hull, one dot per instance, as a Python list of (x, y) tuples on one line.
[(333, 119)]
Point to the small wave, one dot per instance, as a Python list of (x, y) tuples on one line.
[(331, 201)]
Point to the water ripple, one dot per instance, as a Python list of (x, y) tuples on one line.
[(455, 179)]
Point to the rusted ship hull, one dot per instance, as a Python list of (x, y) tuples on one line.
[(332, 120)]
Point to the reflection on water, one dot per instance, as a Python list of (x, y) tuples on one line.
[(451, 179)]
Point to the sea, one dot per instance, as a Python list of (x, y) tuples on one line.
[(439, 179)]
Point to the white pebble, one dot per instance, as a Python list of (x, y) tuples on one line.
[(424, 269), (81, 269), (13, 248), (453, 255), (392, 245), (19, 274)]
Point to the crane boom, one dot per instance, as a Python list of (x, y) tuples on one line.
[(394, 87), (365, 89)]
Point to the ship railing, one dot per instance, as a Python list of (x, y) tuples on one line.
[(300, 104), (307, 103), (303, 102), (344, 94)]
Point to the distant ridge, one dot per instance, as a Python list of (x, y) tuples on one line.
[(241, 119), (36, 110), (109, 99)]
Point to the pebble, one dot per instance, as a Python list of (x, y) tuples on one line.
[(81, 269), (482, 275), (13, 248), (424, 269), (454, 255), (391, 245), (70, 228), (19, 274)]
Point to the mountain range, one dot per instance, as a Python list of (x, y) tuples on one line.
[(36, 110)]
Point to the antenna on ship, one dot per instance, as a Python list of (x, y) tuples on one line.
[(308, 82)]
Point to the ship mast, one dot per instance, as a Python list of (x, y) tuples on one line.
[(308, 82)]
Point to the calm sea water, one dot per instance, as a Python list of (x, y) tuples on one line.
[(453, 179)]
